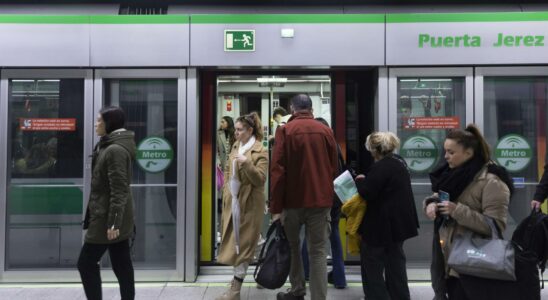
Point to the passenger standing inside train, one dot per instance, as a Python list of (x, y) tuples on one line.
[(304, 164), (243, 201), (225, 140), (477, 189), (109, 215), (390, 219)]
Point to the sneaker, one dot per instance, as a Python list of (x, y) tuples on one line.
[(331, 281), (288, 296)]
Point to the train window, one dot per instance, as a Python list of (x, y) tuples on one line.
[(427, 107), (45, 150), (515, 114), (151, 112)]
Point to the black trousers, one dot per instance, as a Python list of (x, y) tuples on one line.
[(88, 266), (384, 275), (455, 289)]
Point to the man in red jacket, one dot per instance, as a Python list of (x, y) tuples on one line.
[(303, 166)]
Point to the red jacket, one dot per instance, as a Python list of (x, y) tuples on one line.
[(304, 163)]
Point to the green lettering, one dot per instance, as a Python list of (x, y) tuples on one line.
[(466, 40), (499, 40), (448, 41), (423, 38), (458, 39), (539, 40), (509, 41), (518, 40), (528, 41), (476, 41)]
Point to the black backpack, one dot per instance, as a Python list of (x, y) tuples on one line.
[(531, 238), (273, 266)]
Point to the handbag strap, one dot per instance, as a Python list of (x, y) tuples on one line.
[(495, 230), (275, 226)]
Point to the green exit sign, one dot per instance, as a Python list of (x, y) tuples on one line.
[(239, 40)]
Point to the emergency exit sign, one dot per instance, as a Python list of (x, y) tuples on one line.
[(239, 40)]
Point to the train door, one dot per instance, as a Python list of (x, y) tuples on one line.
[(153, 101), (46, 165), (425, 103), (347, 99)]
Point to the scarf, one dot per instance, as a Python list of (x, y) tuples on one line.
[(455, 180), (234, 190)]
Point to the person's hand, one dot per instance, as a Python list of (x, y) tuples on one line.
[(276, 217), (360, 177), (535, 204), (431, 210), (446, 207), (113, 234), (240, 158)]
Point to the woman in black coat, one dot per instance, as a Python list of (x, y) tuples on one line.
[(389, 220)]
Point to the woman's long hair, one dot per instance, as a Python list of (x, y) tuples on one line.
[(471, 138), (252, 120), (229, 131)]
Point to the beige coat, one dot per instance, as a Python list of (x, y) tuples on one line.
[(252, 176), (486, 195)]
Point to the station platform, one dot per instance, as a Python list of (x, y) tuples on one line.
[(206, 287)]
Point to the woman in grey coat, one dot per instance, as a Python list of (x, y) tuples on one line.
[(109, 215)]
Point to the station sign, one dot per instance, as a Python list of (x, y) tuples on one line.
[(240, 40), (420, 153), (154, 154), (47, 124), (513, 152)]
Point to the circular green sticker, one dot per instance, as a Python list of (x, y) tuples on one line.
[(154, 154), (420, 153), (513, 152)]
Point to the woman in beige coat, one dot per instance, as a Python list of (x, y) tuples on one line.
[(243, 200), (477, 189)]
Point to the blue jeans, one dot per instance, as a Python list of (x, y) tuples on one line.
[(339, 278)]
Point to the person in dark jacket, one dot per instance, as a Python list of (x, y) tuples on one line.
[(109, 215), (390, 219), (541, 191), (304, 164)]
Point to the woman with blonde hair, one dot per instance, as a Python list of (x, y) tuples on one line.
[(243, 200), (389, 220)]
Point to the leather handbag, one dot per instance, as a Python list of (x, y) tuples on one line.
[(275, 258), (491, 258)]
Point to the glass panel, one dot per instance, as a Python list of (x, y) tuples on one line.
[(155, 242), (427, 108), (239, 95), (151, 112), (44, 200), (515, 112)]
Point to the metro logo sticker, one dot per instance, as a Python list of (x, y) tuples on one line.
[(513, 152)]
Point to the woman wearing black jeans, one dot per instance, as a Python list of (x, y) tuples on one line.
[(109, 215)]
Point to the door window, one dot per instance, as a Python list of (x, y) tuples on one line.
[(151, 112), (515, 114), (45, 171), (427, 107)]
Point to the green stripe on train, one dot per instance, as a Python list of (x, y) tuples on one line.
[(44, 200)]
